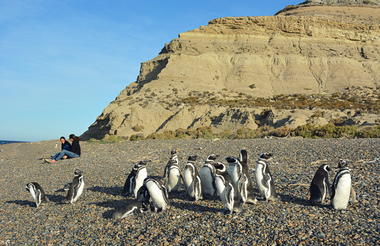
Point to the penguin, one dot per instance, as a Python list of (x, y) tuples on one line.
[(135, 179), (226, 193), (37, 193), (264, 178), (158, 194), (220, 168), (133, 207), (320, 187), (206, 174), (245, 187), (239, 173), (138, 206), (341, 187), (191, 179), (234, 171), (76, 187), (342, 164), (173, 173)]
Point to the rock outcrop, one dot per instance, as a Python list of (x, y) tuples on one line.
[(228, 74)]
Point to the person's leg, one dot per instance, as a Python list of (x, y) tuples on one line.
[(59, 155), (53, 157), (71, 154)]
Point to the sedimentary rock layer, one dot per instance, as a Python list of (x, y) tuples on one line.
[(306, 49)]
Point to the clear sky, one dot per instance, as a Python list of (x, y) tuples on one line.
[(63, 61)]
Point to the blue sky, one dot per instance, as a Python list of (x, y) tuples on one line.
[(63, 61)]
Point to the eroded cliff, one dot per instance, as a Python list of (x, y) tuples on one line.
[(229, 74)]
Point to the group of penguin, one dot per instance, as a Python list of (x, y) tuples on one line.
[(74, 189), (230, 184)]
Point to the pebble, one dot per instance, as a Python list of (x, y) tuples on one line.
[(88, 222)]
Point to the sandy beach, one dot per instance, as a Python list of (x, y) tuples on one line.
[(291, 221)]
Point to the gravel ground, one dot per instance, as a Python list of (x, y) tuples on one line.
[(291, 221)]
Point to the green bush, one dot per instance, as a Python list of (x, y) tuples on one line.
[(112, 139), (136, 137)]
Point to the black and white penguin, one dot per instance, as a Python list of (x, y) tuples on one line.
[(191, 179), (245, 187), (37, 193), (207, 174), (76, 187), (172, 173), (320, 187), (135, 179), (226, 193), (239, 174), (341, 188), (138, 206), (234, 170), (158, 194), (264, 178), (220, 167), (133, 207)]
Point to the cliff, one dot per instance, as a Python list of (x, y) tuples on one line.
[(229, 74)]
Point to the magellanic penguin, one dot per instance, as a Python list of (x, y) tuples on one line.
[(207, 174), (245, 186), (37, 193), (226, 193), (341, 187), (264, 178), (320, 187), (173, 173), (76, 187), (158, 194), (135, 179), (138, 206), (234, 170), (133, 207), (239, 173), (191, 179)]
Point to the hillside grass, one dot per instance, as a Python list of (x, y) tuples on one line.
[(306, 131), (336, 101)]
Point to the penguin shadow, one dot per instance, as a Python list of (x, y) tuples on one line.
[(301, 201), (24, 203), (181, 195), (194, 207), (113, 204), (113, 190), (58, 199)]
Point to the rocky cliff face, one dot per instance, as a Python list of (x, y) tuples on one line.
[(343, 2), (231, 73)]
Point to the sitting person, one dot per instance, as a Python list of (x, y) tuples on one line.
[(74, 151), (65, 145)]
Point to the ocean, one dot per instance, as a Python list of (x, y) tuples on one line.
[(8, 142)]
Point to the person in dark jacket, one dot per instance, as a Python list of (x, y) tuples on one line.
[(65, 145), (74, 151), (75, 147)]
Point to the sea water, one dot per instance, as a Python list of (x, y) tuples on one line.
[(8, 142)]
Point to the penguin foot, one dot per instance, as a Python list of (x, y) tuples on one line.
[(227, 212), (273, 199), (251, 200), (237, 210)]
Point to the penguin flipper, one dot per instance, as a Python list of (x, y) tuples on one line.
[(264, 181), (353, 196), (166, 171), (166, 194)]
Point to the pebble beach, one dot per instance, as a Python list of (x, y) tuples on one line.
[(290, 221)]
